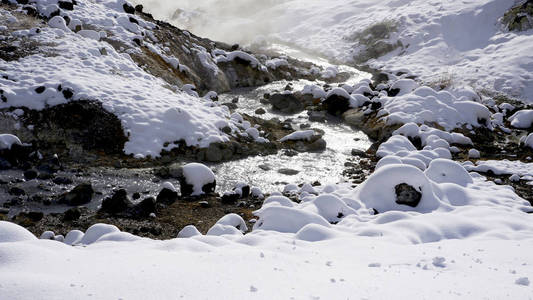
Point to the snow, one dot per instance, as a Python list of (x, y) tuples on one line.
[(522, 281), (527, 140), (445, 170), (10, 233), (502, 167), (151, 114), (188, 231), (474, 153), (8, 140), (198, 175), (522, 119)]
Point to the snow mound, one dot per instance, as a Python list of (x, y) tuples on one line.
[(233, 220), (445, 170), (10, 232), (97, 231), (378, 191), (188, 231), (286, 219), (522, 119)]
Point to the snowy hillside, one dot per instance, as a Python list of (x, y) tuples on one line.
[(139, 160), (461, 42)]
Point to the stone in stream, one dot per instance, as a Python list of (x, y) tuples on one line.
[(286, 103), (117, 203), (336, 105), (287, 171), (81, 194)]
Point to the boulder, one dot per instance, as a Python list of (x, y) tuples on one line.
[(117, 203), (167, 196), (286, 103), (336, 104), (81, 194), (407, 195)]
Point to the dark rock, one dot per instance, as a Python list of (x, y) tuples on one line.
[(245, 191), (117, 203), (407, 195), (16, 191), (67, 93), (393, 92), (133, 20), (230, 105), (61, 180), (167, 196), (286, 103), (287, 171), (360, 153), (145, 207), (230, 198), (139, 8), (72, 214), (40, 89), (316, 116), (4, 164), (128, 8), (81, 194), (336, 105), (66, 5), (136, 196), (375, 105), (260, 111), (318, 145), (30, 174)]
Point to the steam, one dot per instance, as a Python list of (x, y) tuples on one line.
[(230, 21)]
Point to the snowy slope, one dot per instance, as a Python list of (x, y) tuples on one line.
[(151, 111), (457, 41)]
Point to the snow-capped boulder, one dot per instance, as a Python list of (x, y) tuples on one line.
[(219, 230), (445, 170), (73, 237), (196, 179), (96, 231), (382, 189), (8, 140), (315, 233), (10, 232), (527, 141), (338, 101), (330, 207), (233, 220), (188, 231), (522, 119)]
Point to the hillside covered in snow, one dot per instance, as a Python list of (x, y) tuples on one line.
[(279, 149)]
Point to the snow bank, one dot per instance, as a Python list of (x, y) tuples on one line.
[(10, 232), (522, 119)]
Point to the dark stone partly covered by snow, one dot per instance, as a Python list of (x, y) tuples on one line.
[(407, 195), (66, 5), (128, 8), (286, 103), (167, 196), (336, 105), (145, 207), (81, 194), (117, 203), (520, 17)]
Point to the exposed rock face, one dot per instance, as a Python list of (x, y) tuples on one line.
[(407, 195), (520, 17)]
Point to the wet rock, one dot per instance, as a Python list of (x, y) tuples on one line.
[(286, 103), (519, 17), (16, 191), (287, 171), (260, 111), (318, 145), (30, 174), (72, 214), (407, 195), (360, 153), (317, 116), (61, 180), (336, 105), (136, 196), (81, 194), (231, 106), (117, 203), (167, 196)]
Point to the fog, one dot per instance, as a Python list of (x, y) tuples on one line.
[(231, 21)]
